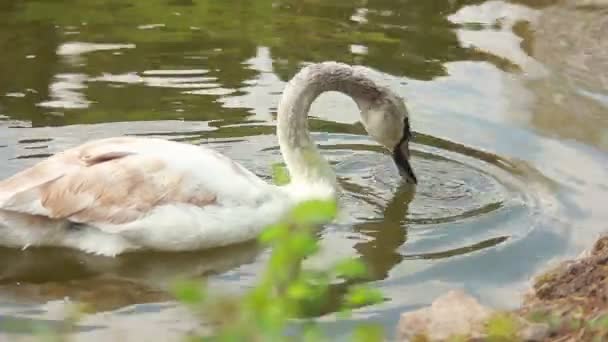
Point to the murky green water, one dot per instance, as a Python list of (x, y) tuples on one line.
[(511, 148)]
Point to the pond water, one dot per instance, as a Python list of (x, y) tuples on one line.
[(508, 103)]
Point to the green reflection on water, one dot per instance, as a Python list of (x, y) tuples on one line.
[(405, 38)]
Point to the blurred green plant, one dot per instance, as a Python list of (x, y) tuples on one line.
[(502, 326), (280, 175), (287, 292)]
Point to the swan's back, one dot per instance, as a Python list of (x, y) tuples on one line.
[(138, 187)]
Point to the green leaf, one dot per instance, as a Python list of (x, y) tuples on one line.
[(314, 212), (299, 290), (358, 296), (502, 326), (280, 175), (279, 260), (301, 245), (188, 292), (350, 269), (273, 233)]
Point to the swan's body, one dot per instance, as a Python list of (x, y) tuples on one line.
[(122, 194), (114, 195)]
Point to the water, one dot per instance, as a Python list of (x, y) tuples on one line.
[(508, 102)]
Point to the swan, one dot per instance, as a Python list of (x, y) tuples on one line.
[(116, 195)]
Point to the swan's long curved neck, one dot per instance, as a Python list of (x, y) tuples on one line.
[(308, 170)]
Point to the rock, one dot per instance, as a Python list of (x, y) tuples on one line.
[(534, 332), (454, 313), (459, 314)]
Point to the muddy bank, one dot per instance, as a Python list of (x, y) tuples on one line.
[(573, 298), (567, 303)]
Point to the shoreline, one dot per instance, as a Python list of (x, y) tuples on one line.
[(568, 302)]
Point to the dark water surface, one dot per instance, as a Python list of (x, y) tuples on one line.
[(511, 146)]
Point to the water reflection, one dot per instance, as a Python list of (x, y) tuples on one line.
[(221, 46), (384, 236), (47, 274)]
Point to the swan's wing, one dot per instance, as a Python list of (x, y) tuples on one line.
[(116, 181)]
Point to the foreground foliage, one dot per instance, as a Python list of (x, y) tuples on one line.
[(286, 293)]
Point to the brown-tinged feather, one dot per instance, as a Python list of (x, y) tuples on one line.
[(101, 158), (96, 183)]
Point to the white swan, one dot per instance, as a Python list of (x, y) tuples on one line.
[(121, 194)]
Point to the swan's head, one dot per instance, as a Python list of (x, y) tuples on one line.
[(386, 120), (383, 112)]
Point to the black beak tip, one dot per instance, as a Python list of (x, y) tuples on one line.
[(405, 170), (408, 175), (400, 156), (412, 179)]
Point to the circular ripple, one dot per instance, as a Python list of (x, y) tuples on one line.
[(457, 183), (450, 189), (466, 200)]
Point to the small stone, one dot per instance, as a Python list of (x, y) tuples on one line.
[(534, 332), (454, 313)]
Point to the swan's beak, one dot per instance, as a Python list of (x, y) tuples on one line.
[(401, 155)]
